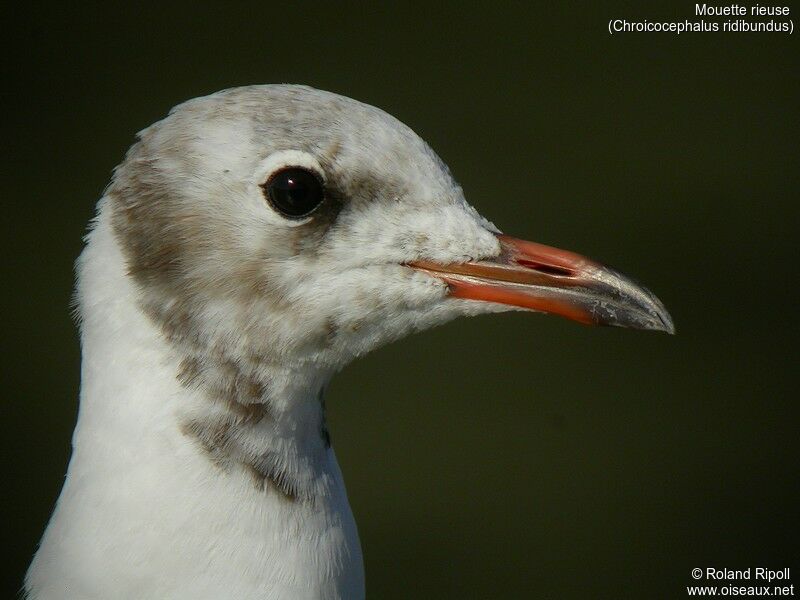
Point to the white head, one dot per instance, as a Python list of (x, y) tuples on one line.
[(227, 271)]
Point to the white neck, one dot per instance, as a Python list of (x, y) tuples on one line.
[(174, 493)]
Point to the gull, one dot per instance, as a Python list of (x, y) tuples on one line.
[(249, 246)]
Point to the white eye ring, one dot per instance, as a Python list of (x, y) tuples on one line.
[(278, 161)]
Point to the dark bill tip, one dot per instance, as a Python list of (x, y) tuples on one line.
[(546, 279)]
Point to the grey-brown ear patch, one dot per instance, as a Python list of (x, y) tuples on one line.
[(175, 323)]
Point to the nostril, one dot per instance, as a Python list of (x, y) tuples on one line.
[(543, 268)]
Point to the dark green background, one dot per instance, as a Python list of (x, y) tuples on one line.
[(504, 456)]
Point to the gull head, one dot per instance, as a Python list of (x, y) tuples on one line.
[(251, 244), (298, 227)]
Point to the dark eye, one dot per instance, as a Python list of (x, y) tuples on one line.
[(294, 192)]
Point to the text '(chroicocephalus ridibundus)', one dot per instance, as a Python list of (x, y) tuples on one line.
[(250, 245)]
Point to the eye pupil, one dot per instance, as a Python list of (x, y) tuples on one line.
[(294, 192)]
